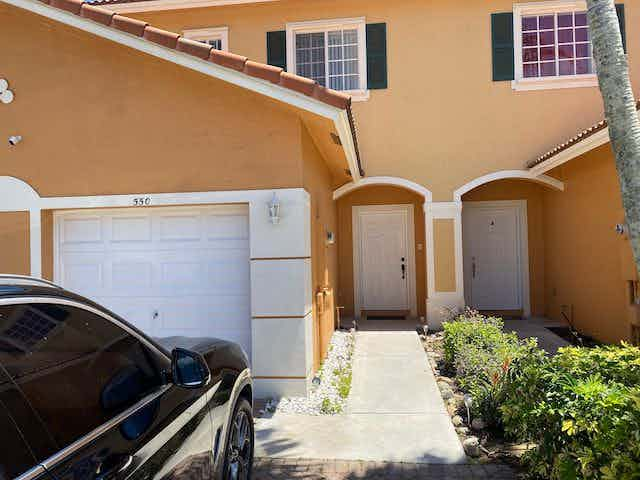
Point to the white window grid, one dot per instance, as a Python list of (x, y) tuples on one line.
[(557, 45), (547, 8), (334, 54)]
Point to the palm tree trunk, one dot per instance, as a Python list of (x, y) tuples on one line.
[(620, 110)]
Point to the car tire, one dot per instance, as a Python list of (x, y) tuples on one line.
[(238, 458)]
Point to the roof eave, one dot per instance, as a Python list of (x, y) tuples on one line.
[(312, 104)]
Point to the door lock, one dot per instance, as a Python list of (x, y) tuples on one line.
[(156, 314)]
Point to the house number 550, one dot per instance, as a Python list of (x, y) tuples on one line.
[(142, 201)]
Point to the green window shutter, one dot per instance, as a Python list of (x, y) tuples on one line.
[(623, 30), (277, 49), (377, 56), (502, 46)]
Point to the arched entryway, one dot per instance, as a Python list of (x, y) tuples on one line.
[(503, 243), (382, 248)]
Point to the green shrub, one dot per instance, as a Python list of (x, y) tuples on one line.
[(481, 355), (582, 409)]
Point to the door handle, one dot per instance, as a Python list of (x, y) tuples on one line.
[(403, 269), (473, 267)]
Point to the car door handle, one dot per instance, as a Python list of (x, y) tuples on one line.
[(121, 464)]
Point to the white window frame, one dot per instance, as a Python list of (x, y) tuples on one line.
[(316, 26), (542, 83), (209, 33)]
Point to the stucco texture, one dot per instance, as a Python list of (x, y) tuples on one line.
[(443, 121)]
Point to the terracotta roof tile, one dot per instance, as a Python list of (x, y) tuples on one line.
[(305, 86), (96, 14), (583, 135), (129, 25), (227, 59), (192, 47), (72, 6), (299, 84), (265, 72), (161, 37)]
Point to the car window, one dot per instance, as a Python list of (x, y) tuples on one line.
[(76, 369), (15, 456)]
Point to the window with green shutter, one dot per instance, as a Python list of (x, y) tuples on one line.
[(377, 56), (277, 49)]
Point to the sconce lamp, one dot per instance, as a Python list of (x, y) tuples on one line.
[(6, 95), (274, 209)]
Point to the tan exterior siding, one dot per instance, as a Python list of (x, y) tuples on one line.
[(324, 258), (442, 122), (445, 270), (533, 194), (587, 263), (14, 243), (377, 195), (111, 120)]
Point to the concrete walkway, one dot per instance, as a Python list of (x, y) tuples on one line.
[(394, 413)]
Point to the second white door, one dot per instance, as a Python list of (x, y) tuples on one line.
[(383, 258), (495, 255)]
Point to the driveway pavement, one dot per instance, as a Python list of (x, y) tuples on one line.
[(394, 413)]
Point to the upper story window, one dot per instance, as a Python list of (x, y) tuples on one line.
[(217, 37), (332, 52), (552, 46)]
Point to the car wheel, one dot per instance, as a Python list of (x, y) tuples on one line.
[(239, 455)]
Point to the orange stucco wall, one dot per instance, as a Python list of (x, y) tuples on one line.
[(442, 122), (377, 195), (587, 264), (533, 194), (324, 258), (14, 243), (100, 118)]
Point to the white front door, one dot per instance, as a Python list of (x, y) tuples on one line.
[(384, 258), (495, 263), (180, 271)]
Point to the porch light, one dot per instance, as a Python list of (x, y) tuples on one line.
[(274, 210)]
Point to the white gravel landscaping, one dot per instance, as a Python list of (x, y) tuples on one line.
[(330, 396)]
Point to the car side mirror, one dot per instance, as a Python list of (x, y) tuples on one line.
[(189, 369)]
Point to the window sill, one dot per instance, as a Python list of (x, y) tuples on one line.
[(358, 95), (549, 83)]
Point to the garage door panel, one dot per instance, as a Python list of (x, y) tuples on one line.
[(169, 271), (130, 229)]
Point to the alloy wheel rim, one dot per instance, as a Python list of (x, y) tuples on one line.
[(239, 454)]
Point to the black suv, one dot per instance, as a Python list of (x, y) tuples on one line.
[(86, 396)]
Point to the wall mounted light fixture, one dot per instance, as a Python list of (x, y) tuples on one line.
[(15, 140), (274, 209), (6, 95)]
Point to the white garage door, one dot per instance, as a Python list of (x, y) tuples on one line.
[(167, 270)]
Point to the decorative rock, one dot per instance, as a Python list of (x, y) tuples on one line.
[(478, 424), (471, 446), (457, 421), (446, 380), (462, 431)]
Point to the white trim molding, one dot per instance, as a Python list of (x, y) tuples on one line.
[(208, 34), (161, 5), (408, 210), (505, 174), (273, 249), (316, 26), (436, 300), (262, 87), (523, 242), (590, 143), (393, 181)]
